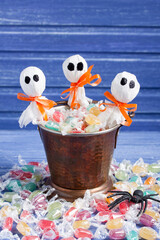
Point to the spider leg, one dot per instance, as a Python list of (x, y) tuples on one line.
[(117, 201), (112, 191), (150, 195), (146, 203), (116, 194), (140, 208), (154, 199)]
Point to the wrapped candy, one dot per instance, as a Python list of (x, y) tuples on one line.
[(76, 71), (124, 88), (33, 83), (86, 218)]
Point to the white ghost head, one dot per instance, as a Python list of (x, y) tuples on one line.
[(32, 81), (125, 87), (74, 67)]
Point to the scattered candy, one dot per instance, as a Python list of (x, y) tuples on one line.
[(123, 207), (117, 234), (8, 196), (83, 233), (148, 233), (147, 220), (121, 175), (115, 223), (155, 168), (14, 185), (153, 214), (23, 228), (31, 238), (36, 217), (44, 224), (81, 224), (50, 234), (30, 186), (71, 213), (150, 181), (54, 211), (8, 223), (132, 235), (83, 215), (28, 168), (101, 205)]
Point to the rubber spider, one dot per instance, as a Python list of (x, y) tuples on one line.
[(137, 197)]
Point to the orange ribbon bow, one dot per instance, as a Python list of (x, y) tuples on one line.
[(83, 80), (123, 107), (41, 103)]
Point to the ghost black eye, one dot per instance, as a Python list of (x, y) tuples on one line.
[(80, 66), (123, 81), (36, 78), (71, 67), (132, 84), (27, 80)]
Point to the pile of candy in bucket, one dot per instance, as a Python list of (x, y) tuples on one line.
[(81, 116), (27, 213), (82, 120)]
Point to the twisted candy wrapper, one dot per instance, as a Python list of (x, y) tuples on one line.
[(123, 107), (42, 104)]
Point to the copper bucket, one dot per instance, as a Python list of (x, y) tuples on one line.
[(78, 162)]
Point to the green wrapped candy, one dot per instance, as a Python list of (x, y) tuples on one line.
[(54, 205), (37, 177), (90, 106), (52, 125), (147, 192), (30, 186), (18, 206), (132, 235), (28, 168), (121, 175), (53, 215), (69, 119), (140, 188), (14, 185), (33, 194), (54, 211), (133, 178), (155, 168), (8, 196), (1, 202)]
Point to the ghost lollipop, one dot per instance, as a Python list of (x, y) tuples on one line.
[(76, 71), (33, 83), (124, 88)]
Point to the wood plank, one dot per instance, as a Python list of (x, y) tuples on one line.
[(82, 12), (28, 144), (75, 39), (147, 100), (144, 66)]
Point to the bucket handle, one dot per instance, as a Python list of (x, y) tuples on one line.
[(131, 115), (116, 136)]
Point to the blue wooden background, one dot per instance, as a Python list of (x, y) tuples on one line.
[(113, 35)]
